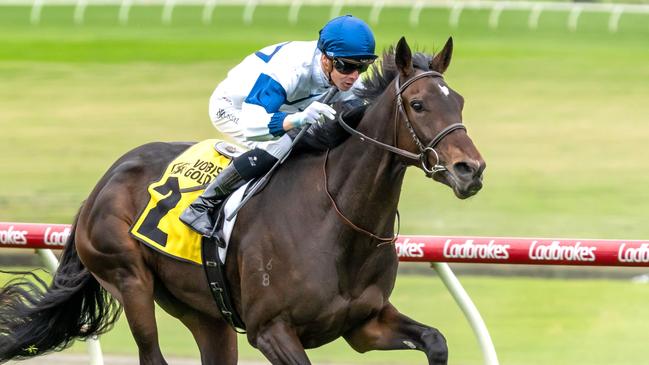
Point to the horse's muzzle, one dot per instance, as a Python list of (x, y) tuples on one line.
[(464, 177)]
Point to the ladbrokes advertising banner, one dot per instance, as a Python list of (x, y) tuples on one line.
[(529, 251), (497, 250), (33, 235)]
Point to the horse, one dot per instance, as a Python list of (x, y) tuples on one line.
[(310, 259)]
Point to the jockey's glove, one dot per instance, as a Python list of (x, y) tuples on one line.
[(314, 113)]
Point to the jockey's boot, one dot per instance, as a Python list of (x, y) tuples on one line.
[(200, 213)]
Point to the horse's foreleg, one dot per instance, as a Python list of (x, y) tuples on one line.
[(281, 346), (391, 330)]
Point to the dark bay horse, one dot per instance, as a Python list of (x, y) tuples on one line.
[(310, 259)]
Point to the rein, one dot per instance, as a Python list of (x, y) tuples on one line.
[(383, 240), (423, 149)]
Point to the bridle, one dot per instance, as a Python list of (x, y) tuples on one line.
[(423, 149), (421, 157)]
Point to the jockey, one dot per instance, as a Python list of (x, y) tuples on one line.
[(275, 90)]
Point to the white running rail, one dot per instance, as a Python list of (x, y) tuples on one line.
[(496, 8)]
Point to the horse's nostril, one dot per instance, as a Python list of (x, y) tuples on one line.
[(469, 169), (464, 169)]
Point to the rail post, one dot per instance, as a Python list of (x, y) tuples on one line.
[(470, 311)]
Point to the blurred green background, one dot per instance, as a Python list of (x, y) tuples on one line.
[(560, 117)]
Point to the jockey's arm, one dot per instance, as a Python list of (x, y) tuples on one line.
[(260, 117), (260, 125), (312, 114)]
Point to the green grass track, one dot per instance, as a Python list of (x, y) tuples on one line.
[(532, 322)]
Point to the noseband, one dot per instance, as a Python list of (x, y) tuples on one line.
[(423, 149)]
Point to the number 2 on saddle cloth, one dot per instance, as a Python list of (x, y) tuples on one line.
[(182, 182)]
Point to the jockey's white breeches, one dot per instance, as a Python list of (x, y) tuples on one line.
[(225, 118)]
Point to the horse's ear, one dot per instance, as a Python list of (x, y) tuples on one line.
[(442, 59), (403, 58)]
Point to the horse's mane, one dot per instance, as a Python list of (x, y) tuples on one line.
[(382, 73)]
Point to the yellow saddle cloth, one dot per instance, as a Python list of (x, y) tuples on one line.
[(183, 181)]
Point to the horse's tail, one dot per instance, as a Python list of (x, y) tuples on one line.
[(36, 318)]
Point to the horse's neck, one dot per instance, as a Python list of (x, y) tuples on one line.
[(364, 180)]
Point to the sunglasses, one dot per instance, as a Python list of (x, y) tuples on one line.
[(347, 66)]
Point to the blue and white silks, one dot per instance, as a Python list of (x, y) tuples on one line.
[(252, 102)]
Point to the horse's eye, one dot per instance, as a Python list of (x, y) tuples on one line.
[(417, 105)]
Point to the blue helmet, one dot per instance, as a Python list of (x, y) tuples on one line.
[(348, 37)]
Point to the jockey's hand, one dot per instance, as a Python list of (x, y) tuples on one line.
[(314, 113)]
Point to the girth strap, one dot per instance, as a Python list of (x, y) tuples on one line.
[(215, 272)]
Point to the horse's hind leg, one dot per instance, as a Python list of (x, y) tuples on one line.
[(126, 276), (133, 287), (137, 299), (391, 330), (216, 340)]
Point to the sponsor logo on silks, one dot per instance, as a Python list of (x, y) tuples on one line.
[(409, 249), (471, 250), (10, 236), (557, 252), (56, 238), (223, 114), (631, 254)]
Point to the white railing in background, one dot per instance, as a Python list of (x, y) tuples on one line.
[(496, 8)]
